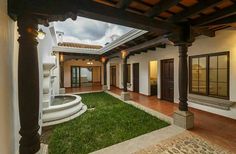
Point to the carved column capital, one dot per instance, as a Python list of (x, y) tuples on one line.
[(184, 36)]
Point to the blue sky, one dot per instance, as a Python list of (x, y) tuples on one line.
[(84, 30)]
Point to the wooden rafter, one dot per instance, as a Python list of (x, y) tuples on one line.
[(123, 4), (160, 7), (151, 43), (195, 9), (227, 20), (226, 12)]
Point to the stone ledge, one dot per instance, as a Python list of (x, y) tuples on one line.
[(210, 101)]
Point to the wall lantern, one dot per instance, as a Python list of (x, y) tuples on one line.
[(41, 34), (103, 59), (61, 58), (123, 54), (90, 63)]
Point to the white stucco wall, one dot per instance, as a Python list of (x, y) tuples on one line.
[(224, 41), (45, 46), (9, 121)]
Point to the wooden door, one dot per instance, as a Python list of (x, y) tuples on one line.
[(136, 77), (113, 75), (167, 80)]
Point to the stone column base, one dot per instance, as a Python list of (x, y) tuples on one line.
[(104, 87), (43, 149), (125, 96), (184, 119)]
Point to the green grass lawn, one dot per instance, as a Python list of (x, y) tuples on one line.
[(112, 121)]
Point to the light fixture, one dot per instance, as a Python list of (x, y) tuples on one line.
[(103, 59), (61, 58), (41, 34), (123, 54), (90, 63)]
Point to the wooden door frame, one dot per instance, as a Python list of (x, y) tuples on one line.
[(161, 72)]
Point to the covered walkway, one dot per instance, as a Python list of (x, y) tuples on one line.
[(214, 128)]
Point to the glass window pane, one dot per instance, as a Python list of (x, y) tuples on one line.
[(213, 88), (222, 89), (222, 61), (222, 75), (194, 86), (213, 75), (202, 87), (202, 63), (213, 62), (195, 75), (194, 63), (73, 69), (202, 75)]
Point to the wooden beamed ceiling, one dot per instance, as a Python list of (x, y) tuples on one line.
[(158, 17)]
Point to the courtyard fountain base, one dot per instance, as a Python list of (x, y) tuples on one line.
[(63, 108)]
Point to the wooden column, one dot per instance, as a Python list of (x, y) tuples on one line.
[(182, 117), (105, 73), (28, 84), (183, 77), (125, 74)]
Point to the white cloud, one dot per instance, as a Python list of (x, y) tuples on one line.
[(84, 30)]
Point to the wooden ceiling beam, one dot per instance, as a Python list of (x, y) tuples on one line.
[(195, 9), (204, 31), (97, 11), (123, 4), (227, 20), (160, 7), (149, 44), (226, 12)]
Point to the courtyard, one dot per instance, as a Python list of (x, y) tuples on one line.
[(128, 124), (118, 76), (108, 121)]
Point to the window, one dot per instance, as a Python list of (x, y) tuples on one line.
[(209, 75), (129, 74)]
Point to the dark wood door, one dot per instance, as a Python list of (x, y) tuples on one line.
[(136, 77), (167, 80), (113, 75)]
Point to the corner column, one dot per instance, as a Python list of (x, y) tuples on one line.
[(28, 84), (183, 38), (183, 78), (183, 117), (125, 95)]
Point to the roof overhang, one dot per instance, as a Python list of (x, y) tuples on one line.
[(134, 33)]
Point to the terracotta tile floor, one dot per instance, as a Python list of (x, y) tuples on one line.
[(217, 129), (92, 87)]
